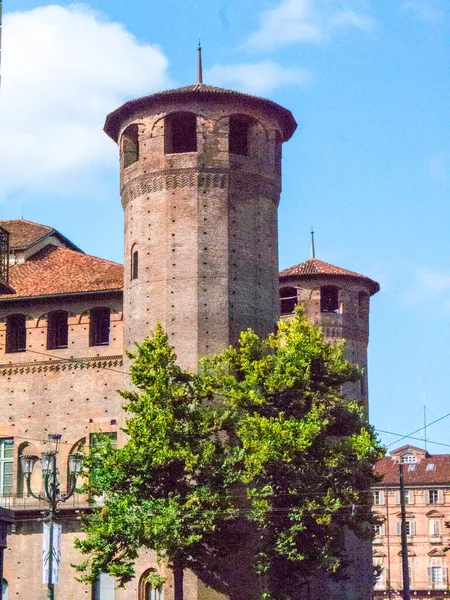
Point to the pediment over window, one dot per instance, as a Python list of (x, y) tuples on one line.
[(436, 552), (434, 514)]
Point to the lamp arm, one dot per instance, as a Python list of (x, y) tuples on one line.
[(72, 487), (29, 490)]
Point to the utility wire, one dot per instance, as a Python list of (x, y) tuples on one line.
[(417, 430)]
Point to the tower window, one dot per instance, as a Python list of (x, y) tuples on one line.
[(130, 145), (329, 299), (134, 264), (239, 133), (180, 133), (58, 330), (16, 333), (288, 300), (99, 327)]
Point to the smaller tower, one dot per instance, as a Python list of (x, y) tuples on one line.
[(339, 301)]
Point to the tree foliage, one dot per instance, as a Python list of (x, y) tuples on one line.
[(261, 436)]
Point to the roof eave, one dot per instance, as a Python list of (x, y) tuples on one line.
[(374, 286), (117, 116), (62, 294)]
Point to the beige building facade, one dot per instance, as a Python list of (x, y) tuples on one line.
[(427, 498)]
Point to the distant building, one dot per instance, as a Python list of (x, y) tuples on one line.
[(427, 483)]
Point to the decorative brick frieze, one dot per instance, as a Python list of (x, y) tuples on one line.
[(70, 364)]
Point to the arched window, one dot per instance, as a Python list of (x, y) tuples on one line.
[(16, 333), (239, 134), (134, 263), (363, 303), (99, 326), (57, 330), (180, 133), (329, 299), (130, 145), (147, 591), (288, 300), (103, 588)]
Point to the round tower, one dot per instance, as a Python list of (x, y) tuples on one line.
[(200, 172), (339, 301)]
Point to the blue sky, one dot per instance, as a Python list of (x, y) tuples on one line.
[(369, 166)]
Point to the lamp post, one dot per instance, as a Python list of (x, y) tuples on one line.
[(52, 493)]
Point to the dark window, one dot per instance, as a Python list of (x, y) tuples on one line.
[(239, 133), (58, 330), (329, 299), (16, 333), (130, 145), (134, 264), (99, 327), (288, 300), (180, 133)]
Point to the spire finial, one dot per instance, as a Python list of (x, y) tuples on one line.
[(313, 250), (199, 64)]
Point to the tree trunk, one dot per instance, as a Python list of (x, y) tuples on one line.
[(178, 575)]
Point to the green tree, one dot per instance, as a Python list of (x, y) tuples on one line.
[(259, 450)]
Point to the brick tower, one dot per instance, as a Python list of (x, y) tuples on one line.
[(200, 177), (339, 301)]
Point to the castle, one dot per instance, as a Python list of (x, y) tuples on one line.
[(200, 181)]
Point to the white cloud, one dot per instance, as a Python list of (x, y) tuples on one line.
[(426, 10), (257, 78), (439, 166), (296, 21), (64, 69)]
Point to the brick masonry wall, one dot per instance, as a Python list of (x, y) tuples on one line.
[(205, 226)]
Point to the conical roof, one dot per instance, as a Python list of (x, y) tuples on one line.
[(314, 267), (196, 91)]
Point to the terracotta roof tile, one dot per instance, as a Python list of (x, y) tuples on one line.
[(23, 234), (115, 118), (419, 476), (315, 267), (62, 271)]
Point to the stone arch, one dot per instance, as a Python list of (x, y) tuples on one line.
[(246, 135), (145, 590), (134, 261)]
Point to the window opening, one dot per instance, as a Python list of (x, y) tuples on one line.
[(57, 330), (16, 333), (430, 467), (412, 467), (239, 134), (433, 497), (408, 458), (130, 145), (152, 593), (377, 497), (435, 527), (135, 265), (99, 327), (329, 299), (6, 467), (103, 588), (180, 133), (288, 300)]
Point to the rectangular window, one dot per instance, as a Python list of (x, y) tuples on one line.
[(16, 333), (378, 529), (435, 527), (433, 497), (99, 326), (378, 497), (57, 330), (410, 527), (6, 467), (103, 588)]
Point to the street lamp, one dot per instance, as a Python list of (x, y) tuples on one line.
[(52, 493)]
